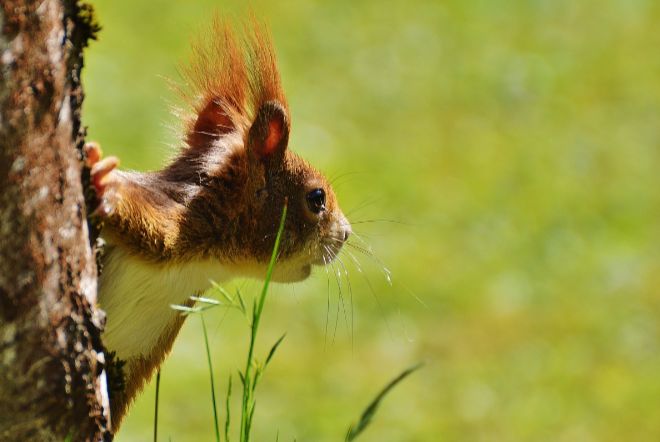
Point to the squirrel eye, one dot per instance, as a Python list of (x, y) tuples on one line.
[(316, 200)]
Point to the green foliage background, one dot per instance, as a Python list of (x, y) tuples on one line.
[(518, 145)]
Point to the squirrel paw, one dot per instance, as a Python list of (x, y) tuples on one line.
[(101, 175)]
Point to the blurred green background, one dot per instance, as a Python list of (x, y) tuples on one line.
[(503, 160)]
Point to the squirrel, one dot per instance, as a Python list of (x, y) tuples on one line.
[(213, 212)]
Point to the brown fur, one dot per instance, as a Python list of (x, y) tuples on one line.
[(222, 196)]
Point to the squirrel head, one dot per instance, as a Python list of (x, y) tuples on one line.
[(239, 171)]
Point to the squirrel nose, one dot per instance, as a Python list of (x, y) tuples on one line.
[(346, 229)]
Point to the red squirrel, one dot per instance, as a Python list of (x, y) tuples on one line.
[(213, 212)]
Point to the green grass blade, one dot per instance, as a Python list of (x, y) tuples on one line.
[(225, 294), (249, 424), (273, 349), (227, 403), (208, 357), (257, 375), (156, 406), (247, 407), (371, 409), (271, 264), (241, 302)]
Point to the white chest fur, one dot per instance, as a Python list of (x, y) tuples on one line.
[(137, 295)]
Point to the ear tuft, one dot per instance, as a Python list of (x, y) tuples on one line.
[(269, 133)]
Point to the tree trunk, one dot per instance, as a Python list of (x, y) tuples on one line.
[(52, 383)]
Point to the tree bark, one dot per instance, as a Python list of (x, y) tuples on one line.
[(52, 383)]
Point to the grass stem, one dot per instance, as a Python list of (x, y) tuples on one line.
[(208, 357), (247, 409), (156, 407)]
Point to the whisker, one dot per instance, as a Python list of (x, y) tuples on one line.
[(327, 309), (357, 263), (379, 220), (350, 291), (362, 206), (369, 252), (327, 259), (334, 180), (364, 245), (369, 235), (359, 249), (343, 303), (414, 295), (381, 309), (386, 272), (339, 302), (333, 255)]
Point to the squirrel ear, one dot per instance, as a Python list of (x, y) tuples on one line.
[(212, 122), (269, 133)]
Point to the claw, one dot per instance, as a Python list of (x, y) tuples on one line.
[(100, 172), (93, 153)]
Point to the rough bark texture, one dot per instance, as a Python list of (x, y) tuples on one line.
[(51, 360)]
